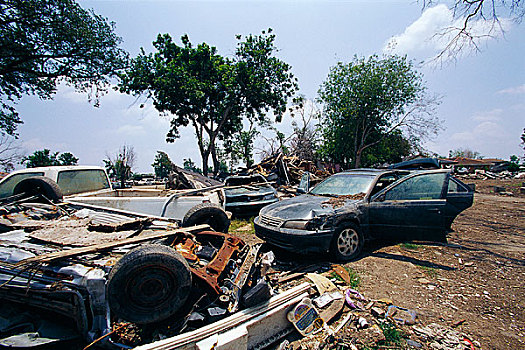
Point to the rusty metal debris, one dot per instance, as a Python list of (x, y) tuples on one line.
[(77, 266)]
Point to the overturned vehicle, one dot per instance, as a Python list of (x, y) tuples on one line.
[(343, 211), (79, 275)]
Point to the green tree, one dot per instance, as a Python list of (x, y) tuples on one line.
[(67, 159), (162, 165), (514, 163), (188, 164), (210, 92), (240, 146), (44, 42), (366, 100), (121, 165), (46, 158), (464, 153), (392, 149)]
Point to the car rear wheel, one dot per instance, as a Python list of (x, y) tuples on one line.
[(149, 284), (207, 213), (347, 242)]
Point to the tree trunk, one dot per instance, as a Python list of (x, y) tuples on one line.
[(216, 164), (357, 161), (204, 156)]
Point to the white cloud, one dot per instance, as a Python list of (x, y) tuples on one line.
[(418, 36), (488, 137), (493, 116), (516, 90), (430, 34)]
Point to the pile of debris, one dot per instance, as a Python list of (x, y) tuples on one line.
[(114, 278), (336, 316), (484, 175), (182, 179), (288, 170)]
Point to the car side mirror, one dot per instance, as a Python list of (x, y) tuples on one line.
[(304, 185)]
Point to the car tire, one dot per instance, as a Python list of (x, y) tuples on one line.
[(149, 284), (39, 186), (207, 213), (347, 242)]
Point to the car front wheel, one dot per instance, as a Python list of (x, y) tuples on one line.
[(347, 242)]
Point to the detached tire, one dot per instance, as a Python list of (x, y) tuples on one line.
[(207, 213), (148, 284), (39, 185), (347, 242)]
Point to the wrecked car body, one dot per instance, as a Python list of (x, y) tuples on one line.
[(90, 185), (346, 209), (246, 195), (106, 276)]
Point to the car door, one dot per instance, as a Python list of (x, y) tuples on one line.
[(411, 208), (459, 198)]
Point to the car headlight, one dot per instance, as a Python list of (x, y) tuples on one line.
[(296, 224), (269, 196)]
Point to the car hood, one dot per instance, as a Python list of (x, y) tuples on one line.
[(308, 206)]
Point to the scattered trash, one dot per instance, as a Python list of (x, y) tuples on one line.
[(401, 315), (322, 283), (413, 343), (306, 318), (327, 298), (352, 294), (343, 273), (362, 323), (377, 312)]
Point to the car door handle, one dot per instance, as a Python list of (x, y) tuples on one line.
[(434, 210)]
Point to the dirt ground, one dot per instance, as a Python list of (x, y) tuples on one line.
[(477, 279)]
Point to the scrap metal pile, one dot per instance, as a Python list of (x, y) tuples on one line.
[(73, 274), (485, 175)]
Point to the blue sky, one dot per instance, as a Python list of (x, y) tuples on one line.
[(483, 104)]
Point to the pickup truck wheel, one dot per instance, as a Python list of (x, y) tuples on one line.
[(347, 242), (148, 284), (207, 213), (39, 185)]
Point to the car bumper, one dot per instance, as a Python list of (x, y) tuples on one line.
[(311, 242)]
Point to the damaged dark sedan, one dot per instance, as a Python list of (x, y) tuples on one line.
[(343, 211)]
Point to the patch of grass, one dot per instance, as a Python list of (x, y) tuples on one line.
[(413, 246), (355, 279), (429, 271), (393, 335), (237, 225)]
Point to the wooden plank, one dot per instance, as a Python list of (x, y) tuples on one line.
[(104, 246)]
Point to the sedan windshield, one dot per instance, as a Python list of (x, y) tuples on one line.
[(344, 185)]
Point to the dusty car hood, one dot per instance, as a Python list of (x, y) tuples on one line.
[(307, 207)]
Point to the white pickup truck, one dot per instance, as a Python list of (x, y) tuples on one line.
[(90, 185)]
